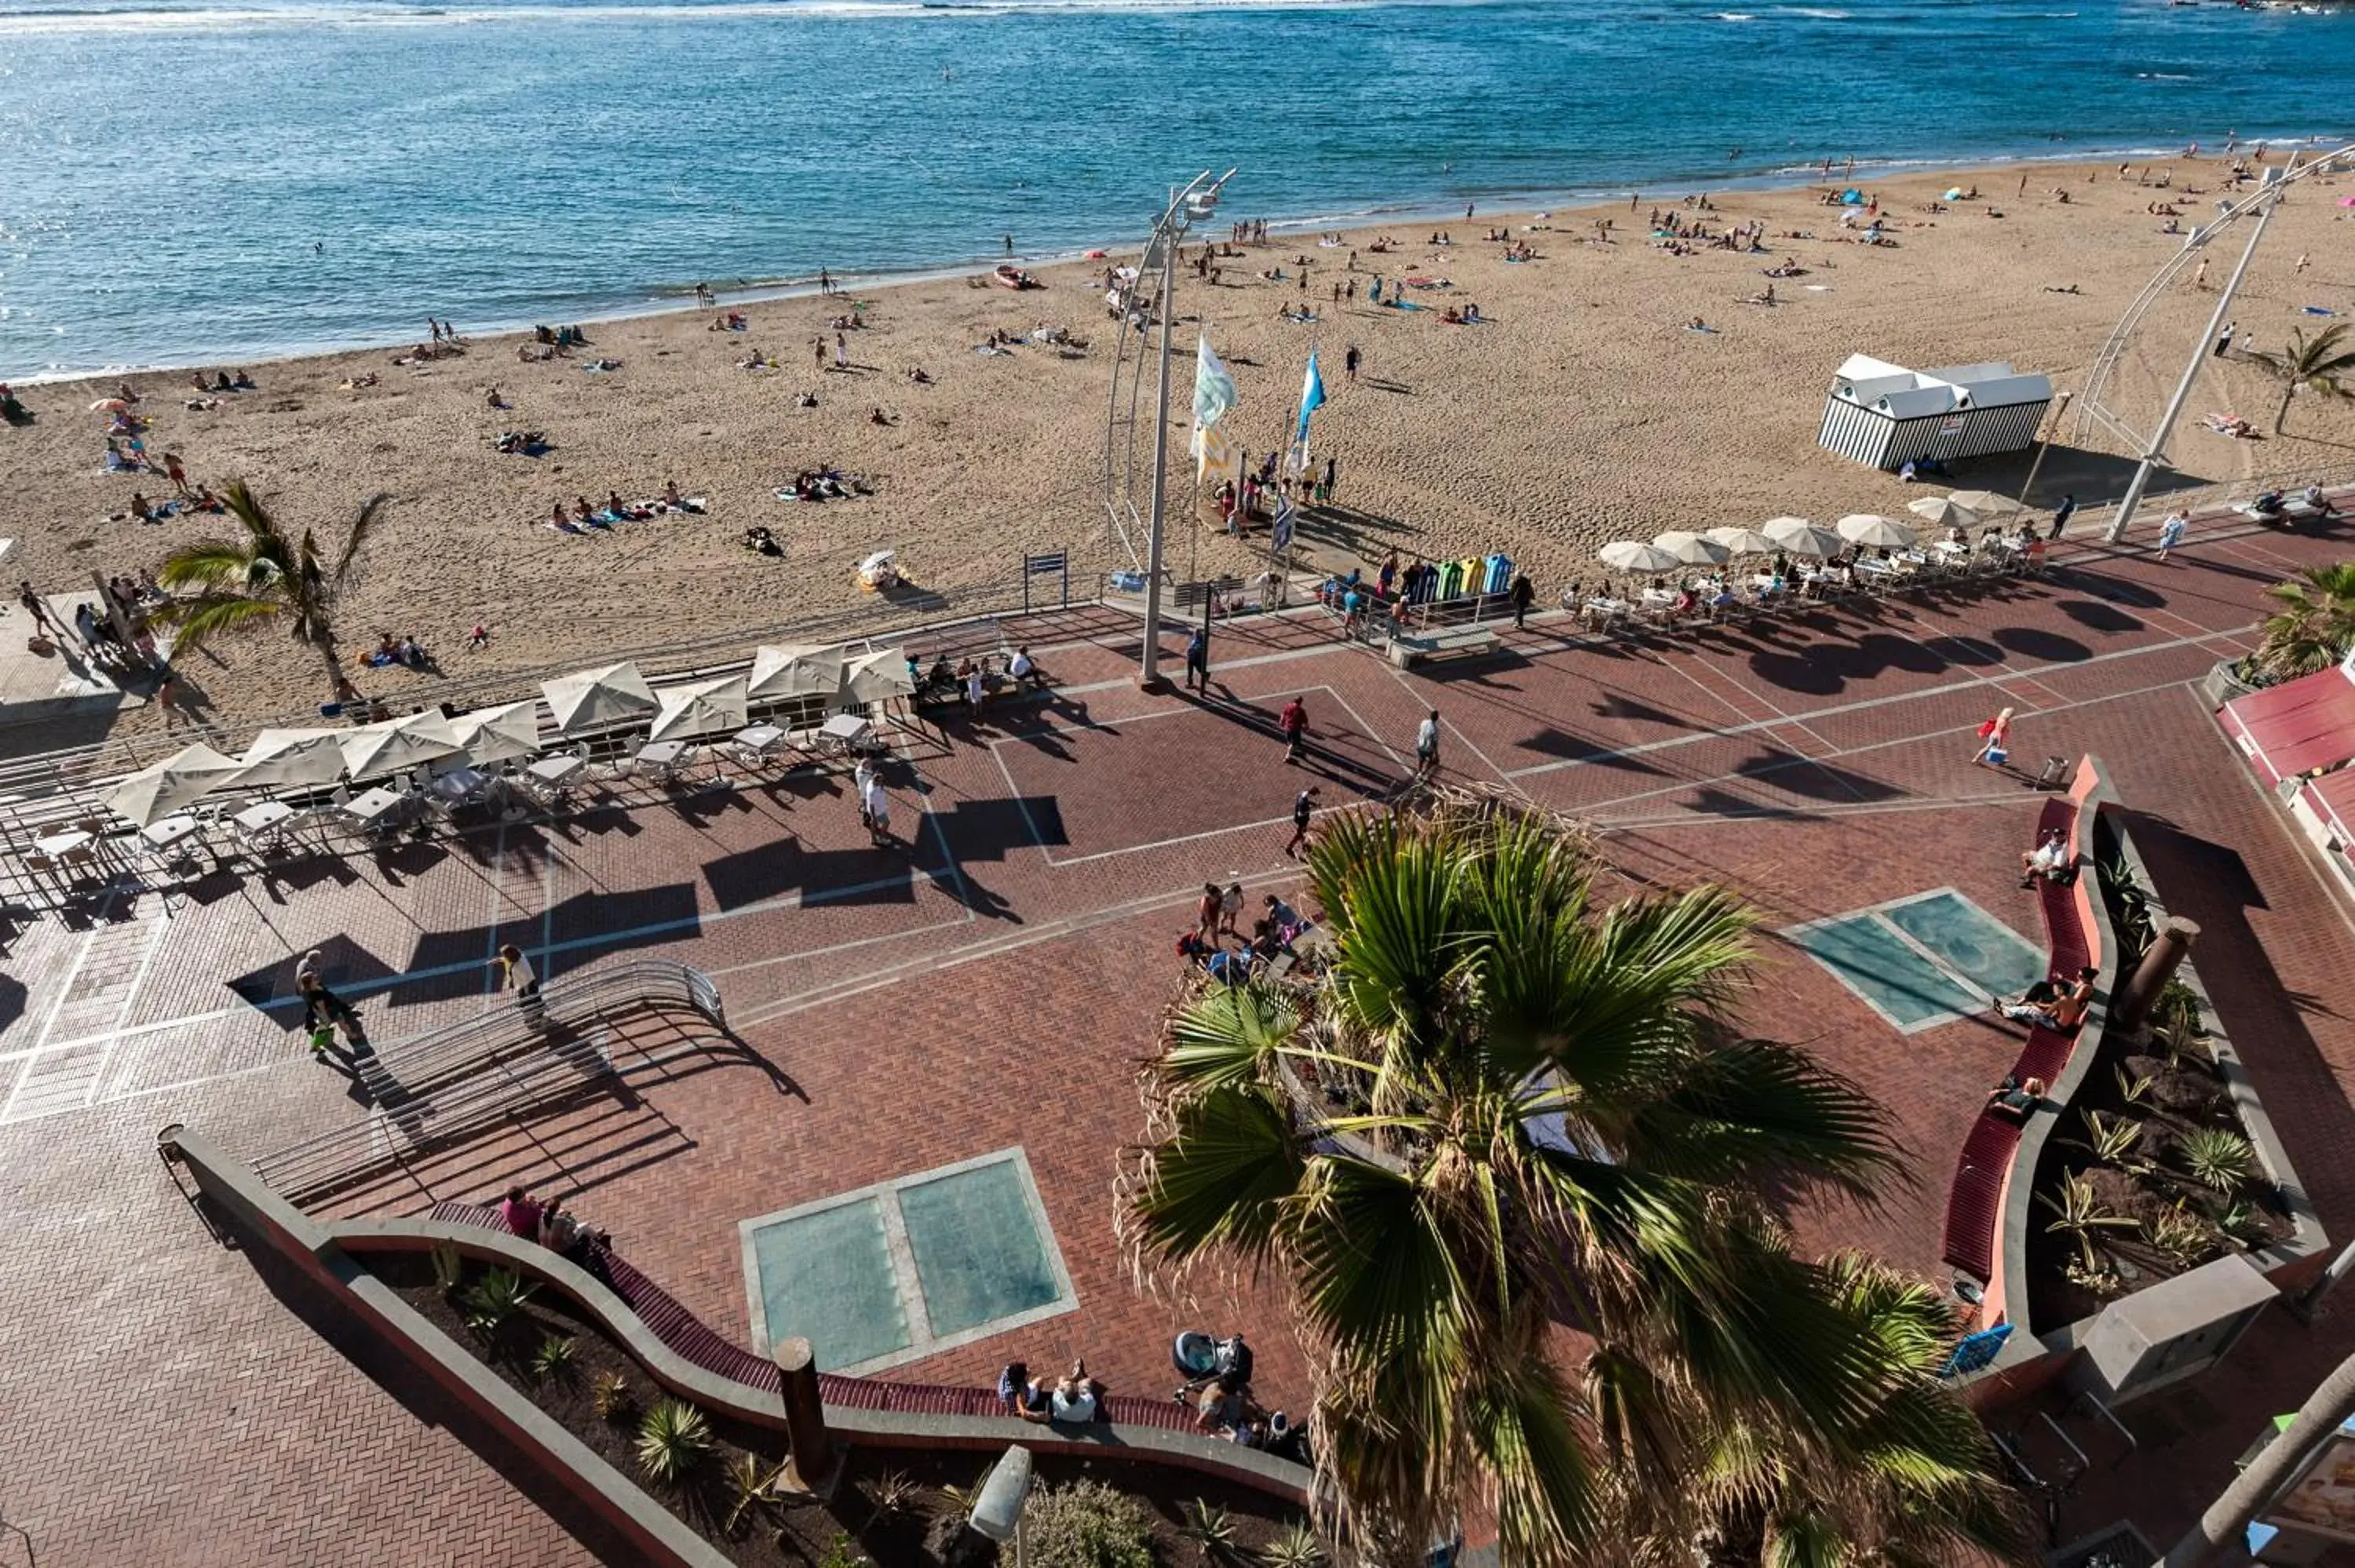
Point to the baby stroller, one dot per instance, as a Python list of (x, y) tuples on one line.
[(1202, 1360)]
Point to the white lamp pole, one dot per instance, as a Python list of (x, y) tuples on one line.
[(2200, 354), (1198, 199)]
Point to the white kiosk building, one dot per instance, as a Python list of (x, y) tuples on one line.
[(1887, 416)]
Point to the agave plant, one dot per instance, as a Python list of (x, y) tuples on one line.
[(2182, 1237), (1208, 1526), (2219, 1160), (497, 1298), (751, 1486), (2132, 1089), (449, 1268), (2078, 1213), (2111, 1139), (892, 1495), (1295, 1548), (555, 1358), (673, 1439), (610, 1397)]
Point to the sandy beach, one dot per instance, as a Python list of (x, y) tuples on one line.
[(1586, 411)]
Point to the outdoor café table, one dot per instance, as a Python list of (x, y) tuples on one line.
[(755, 741), (846, 732), (1604, 609), (662, 757), (371, 807), (64, 843), (557, 772), (170, 830), (263, 818)]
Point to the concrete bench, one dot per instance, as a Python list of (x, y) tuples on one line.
[(1408, 650)]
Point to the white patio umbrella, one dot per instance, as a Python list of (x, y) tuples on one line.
[(1878, 532), (699, 707), (374, 750), (1692, 549), (599, 699), (498, 735), (280, 757), (1986, 502), (1743, 541), (811, 671), (156, 791), (1943, 511), (1801, 537), (872, 677), (1634, 556)]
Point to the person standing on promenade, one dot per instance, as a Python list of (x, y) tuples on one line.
[(1426, 746), (1304, 807), (1206, 914), (1994, 741), (2170, 533), (2061, 513), (30, 597), (1293, 721), (1524, 594), (515, 974), (875, 806), (1197, 661)]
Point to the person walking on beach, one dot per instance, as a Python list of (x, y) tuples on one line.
[(30, 597), (2224, 342), (515, 974), (1303, 808), (2170, 533), (2061, 513), (1426, 746), (1197, 661), (841, 351), (1293, 721), (1351, 360), (1994, 741), (818, 347), (824, 281)]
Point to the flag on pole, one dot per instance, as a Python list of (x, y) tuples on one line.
[(1279, 538), (1214, 395), (1312, 397)]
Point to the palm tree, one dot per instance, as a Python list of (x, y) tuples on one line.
[(2316, 625), (2312, 364), (266, 573), (1501, 1112)]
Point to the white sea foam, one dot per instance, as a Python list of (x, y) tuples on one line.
[(1736, 17), (126, 19)]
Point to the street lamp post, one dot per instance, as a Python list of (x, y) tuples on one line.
[(1199, 199)]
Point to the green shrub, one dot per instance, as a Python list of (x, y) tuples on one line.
[(496, 1297), (1086, 1524), (554, 1358), (2219, 1160), (673, 1439)]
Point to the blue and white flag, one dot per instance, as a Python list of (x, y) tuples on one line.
[(1282, 536), (1214, 387), (1312, 397)]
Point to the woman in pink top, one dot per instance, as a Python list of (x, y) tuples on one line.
[(521, 1213)]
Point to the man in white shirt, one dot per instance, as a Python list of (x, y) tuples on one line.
[(1023, 669), (878, 807), (1426, 745)]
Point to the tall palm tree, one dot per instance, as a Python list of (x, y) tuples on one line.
[(266, 575), (2316, 625), (2314, 365), (1502, 1112)]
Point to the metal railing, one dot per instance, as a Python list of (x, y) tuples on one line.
[(483, 1072)]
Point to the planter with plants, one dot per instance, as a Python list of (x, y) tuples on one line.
[(719, 1475)]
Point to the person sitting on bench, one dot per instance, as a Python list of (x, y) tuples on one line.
[(2014, 1098), (2050, 859)]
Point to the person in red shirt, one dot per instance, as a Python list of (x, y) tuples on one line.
[(521, 1211), (1295, 723)]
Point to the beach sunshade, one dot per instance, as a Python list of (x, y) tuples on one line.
[(1874, 532), (794, 673), (1943, 511), (156, 792), (2347, 201), (1634, 556), (283, 757), (881, 558), (1953, 192), (1692, 549), (1801, 537), (1986, 502), (599, 699), (498, 735), (1743, 541), (374, 750), (873, 677), (699, 707)]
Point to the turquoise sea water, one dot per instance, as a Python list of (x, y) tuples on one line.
[(188, 182)]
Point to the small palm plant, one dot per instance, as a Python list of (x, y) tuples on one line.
[(673, 1439), (555, 1360), (609, 1395), (1295, 1548), (892, 1494), (2311, 631), (497, 1296), (268, 575), (751, 1486), (2078, 1213), (1208, 1526), (449, 1269), (2219, 1160), (2111, 1139), (2314, 365), (2180, 1238), (2133, 1090)]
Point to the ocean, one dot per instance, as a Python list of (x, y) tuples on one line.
[(191, 183)]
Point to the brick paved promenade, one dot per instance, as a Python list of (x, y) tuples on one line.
[(996, 982)]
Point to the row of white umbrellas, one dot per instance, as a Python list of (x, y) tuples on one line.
[(582, 704), (1797, 535)]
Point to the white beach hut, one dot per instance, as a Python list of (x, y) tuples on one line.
[(1887, 416)]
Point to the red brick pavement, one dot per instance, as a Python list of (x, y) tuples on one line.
[(996, 982)]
